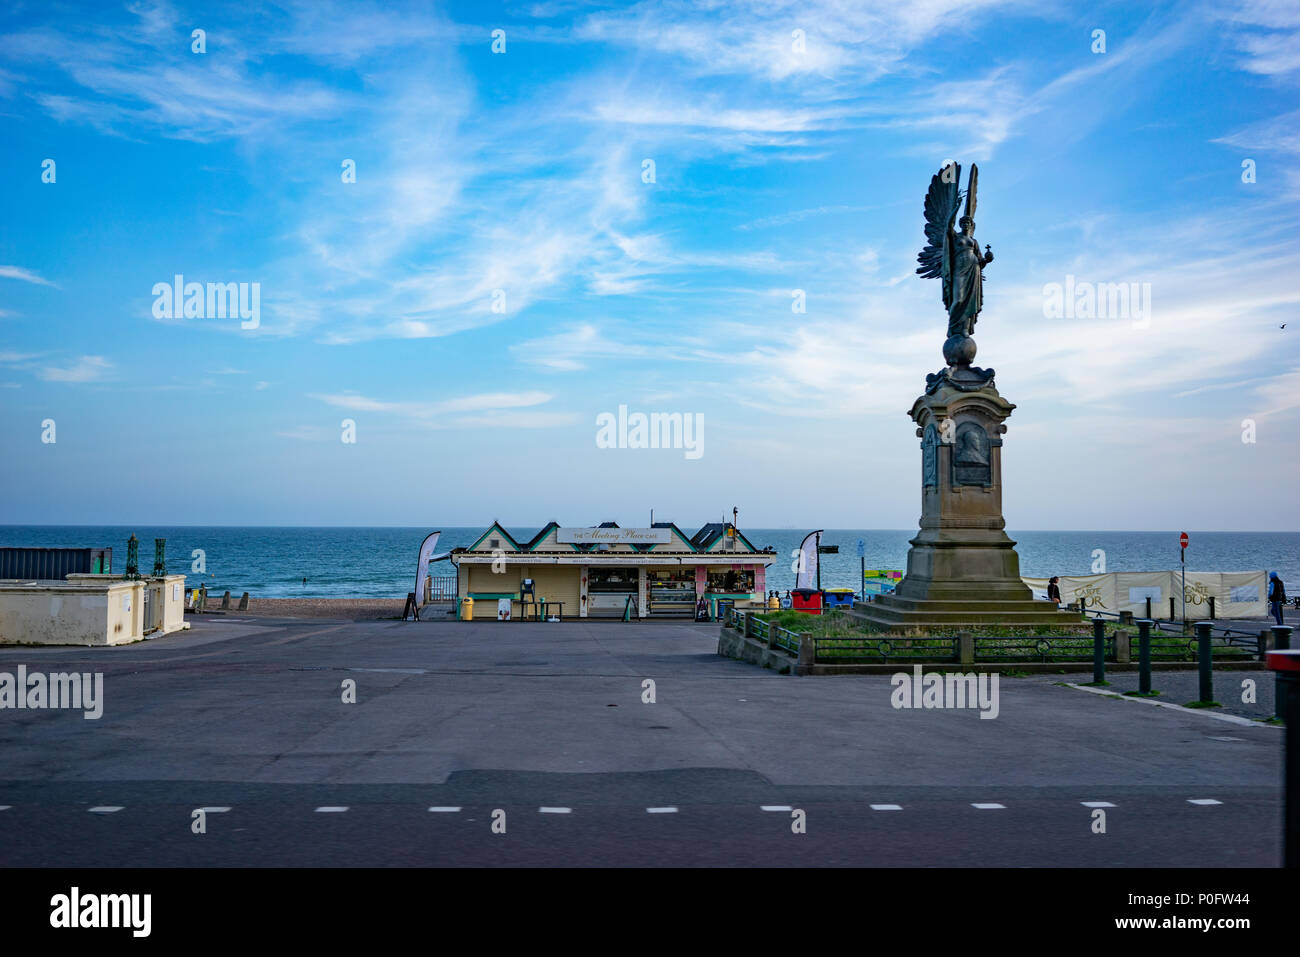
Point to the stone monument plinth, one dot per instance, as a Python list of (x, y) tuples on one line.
[(962, 568)]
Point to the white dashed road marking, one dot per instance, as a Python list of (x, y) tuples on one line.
[(330, 810), (1203, 801), (555, 810), (776, 807), (886, 807), (104, 810), (989, 807), (214, 810), (1096, 804), (661, 810), (444, 810)]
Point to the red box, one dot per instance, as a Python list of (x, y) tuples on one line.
[(807, 600)]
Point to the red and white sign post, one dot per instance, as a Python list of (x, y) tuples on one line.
[(1182, 558)]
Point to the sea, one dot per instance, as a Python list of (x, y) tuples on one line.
[(380, 562)]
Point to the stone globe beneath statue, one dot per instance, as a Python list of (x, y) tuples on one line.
[(959, 350)]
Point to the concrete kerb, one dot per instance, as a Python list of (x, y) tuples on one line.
[(1204, 712)]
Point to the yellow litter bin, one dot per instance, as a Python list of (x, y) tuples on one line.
[(466, 609)]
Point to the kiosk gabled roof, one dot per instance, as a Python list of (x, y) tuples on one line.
[(707, 536), (671, 526), (544, 534), (500, 528), (703, 541)]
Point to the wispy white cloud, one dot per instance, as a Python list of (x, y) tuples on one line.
[(484, 410), (865, 39), (1267, 32), (26, 275), (575, 348), (310, 433), (85, 369)]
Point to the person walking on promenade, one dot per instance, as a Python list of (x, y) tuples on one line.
[(1276, 596), (1054, 590)]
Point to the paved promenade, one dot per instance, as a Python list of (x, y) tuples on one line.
[(546, 723)]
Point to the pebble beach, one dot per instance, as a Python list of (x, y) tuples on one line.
[(346, 609)]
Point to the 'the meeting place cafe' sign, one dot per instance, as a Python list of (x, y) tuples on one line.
[(612, 536)]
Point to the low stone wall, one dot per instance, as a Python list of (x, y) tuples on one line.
[(732, 644)]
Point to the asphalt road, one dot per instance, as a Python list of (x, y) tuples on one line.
[(479, 718)]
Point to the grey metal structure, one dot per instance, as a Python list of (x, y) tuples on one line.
[(54, 564)]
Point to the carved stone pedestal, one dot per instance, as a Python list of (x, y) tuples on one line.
[(962, 568)]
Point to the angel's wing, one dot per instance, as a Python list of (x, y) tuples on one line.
[(941, 205)]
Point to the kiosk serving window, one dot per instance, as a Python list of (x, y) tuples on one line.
[(612, 579), (611, 591), (671, 592), (731, 580)]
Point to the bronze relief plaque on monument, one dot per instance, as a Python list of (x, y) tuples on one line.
[(970, 456)]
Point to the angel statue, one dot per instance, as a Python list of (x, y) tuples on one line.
[(955, 257)]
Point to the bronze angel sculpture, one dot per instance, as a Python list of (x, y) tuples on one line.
[(955, 257)]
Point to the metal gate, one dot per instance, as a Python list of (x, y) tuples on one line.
[(149, 610), (440, 588)]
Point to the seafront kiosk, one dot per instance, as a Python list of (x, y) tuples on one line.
[(605, 571)]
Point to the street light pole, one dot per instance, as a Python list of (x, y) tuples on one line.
[(819, 561)]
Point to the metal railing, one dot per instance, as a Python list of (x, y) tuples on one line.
[(772, 633), (1235, 637), (439, 588), (1042, 648), (886, 649), (788, 640)]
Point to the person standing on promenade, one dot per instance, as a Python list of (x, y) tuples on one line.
[(1276, 596), (1054, 590)]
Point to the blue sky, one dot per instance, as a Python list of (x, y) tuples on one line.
[(776, 169)]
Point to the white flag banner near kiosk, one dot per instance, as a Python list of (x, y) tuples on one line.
[(422, 567), (806, 561)]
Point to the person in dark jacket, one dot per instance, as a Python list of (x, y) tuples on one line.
[(1054, 590), (1276, 596)]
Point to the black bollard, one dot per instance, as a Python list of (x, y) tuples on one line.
[(1204, 663), (1287, 665), (1281, 637), (1211, 608), (1281, 642), (1098, 651), (1172, 616), (1148, 614), (1144, 656)]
